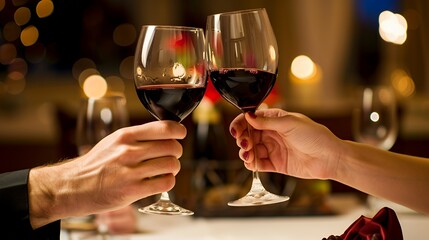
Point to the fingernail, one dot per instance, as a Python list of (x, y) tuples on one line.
[(233, 132), (252, 115), (246, 155), (243, 143)]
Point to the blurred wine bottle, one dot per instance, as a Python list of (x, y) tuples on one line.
[(210, 137), (210, 134)]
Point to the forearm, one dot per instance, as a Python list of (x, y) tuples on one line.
[(400, 178)]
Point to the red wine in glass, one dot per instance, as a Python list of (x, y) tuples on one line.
[(244, 88), (170, 101)]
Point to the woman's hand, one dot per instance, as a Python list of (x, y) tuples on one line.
[(286, 142)]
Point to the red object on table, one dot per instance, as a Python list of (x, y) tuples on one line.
[(383, 226)]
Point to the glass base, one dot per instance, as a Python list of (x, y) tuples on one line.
[(258, 196), (163, 207), (255, 199)]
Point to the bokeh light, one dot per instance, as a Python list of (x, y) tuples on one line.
[(393, 27), (85, 74), (106, 115), (8, 52), (15, 83), (18, 65), (44, 8), (386, 96), (124, 34), (402, 83), (15, 76), (126, 67), (29, 35), (303, 67), (81, 65), (2, 4), (304, 71), (95, 86), (11, 31), (22, 16), (374, 116)]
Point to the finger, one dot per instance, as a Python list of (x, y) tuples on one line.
[(156, 149), (275, 119), (156, 167), (156, 130), (152, 186), (238, 126), (263, 161), (244, 141), (142, 188), (134, 154), (250, 166), (246, 155)]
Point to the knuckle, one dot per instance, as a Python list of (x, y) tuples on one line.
[(178, 148), (123, 134), (175, 166), (168, 182)]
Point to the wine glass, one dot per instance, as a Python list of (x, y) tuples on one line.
[(170, 78), (242, 62), (374, 119), (97, 118), (375, 122)]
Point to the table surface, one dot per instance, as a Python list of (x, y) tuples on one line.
[(414, 226)]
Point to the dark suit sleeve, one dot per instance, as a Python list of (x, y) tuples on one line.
[(14, 209)]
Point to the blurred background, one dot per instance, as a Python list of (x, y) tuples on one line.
[(53, 53)]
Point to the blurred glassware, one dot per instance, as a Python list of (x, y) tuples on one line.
[(375, 122), (97, 118), (375, 119)]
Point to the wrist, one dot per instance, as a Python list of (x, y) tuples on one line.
[(43, 194), (350, 164)]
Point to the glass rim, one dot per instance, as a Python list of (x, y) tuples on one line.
[(178, 27), (250, 10)]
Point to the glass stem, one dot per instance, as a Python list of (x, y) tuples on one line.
[(255, 171), (257, 189), (164, 196)]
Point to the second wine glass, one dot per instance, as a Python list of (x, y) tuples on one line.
[(99, 117), (170, 79), (242, 61), (375, 117)]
